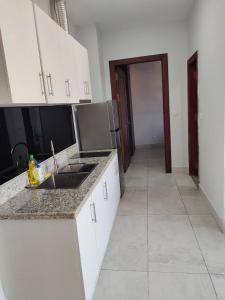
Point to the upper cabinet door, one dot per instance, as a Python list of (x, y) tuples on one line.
[(52, 53), (20, 67), (71, 79), (83, 72)]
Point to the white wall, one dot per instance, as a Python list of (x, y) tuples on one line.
[(44, 5), (168, 38), (207, 36), (147, 103)]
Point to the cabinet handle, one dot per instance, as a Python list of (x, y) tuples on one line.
[(42, 83), (66, 88), (106, 195), (49, 84), (67, 83), (69, 88), (93, 210), (86, 88)]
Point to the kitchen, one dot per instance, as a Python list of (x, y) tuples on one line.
[(97, 200)]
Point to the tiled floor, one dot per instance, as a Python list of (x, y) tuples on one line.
[(165, 244)]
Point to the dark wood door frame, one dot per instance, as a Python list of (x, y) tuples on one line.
[(124, 116), (130, 111), (192, 70), (163, 58)]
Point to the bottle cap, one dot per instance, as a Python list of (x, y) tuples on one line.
[(31, 156)]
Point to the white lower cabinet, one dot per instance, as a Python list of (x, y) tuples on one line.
[(94, 224), (112, 190), (101, 225), (88, 248)]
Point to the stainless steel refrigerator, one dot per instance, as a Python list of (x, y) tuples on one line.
[(97, 128)]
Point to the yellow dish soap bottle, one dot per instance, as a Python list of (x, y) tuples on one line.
[(31, 170)]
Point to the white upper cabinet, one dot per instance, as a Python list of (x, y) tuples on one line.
[(20, 68), (39, 61), (83, 71), (52, 53), (71, 76)]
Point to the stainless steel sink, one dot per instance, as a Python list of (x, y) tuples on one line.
[(77, 168), (64, 181)]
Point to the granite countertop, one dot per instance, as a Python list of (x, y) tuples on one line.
[(54, 204)]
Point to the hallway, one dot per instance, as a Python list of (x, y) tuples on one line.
[(165, 244)]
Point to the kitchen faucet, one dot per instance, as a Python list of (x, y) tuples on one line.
[(20, 164), (54, 158), (18, 144)]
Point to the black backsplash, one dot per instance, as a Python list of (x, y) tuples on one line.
[(34, 126)]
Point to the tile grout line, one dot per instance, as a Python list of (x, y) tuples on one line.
[(144, 215), (195, 235), (203, 258), (160, 272)]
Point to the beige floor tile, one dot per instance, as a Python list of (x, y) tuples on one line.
[(219, 284), (160, 179), (136, 182), (140, 156), (156, 163), (184, 180), (189, 191), (137, 170), (211, 241), (176, 261), (196, 205), (122, 285), (165, 200), (173, 246), (134, 202), (127, 248), (169, 286), (171, 231)]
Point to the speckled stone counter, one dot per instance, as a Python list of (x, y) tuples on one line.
[(57, 203)]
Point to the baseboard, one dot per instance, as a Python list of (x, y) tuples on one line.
[(220, 222)]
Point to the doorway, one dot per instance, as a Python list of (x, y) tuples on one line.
[(121, 92), (193, 116)]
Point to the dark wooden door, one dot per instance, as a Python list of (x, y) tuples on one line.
[(193, 115), (122, 98)]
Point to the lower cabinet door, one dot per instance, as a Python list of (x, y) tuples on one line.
[(113, 190), (88, 248), (102, 223)]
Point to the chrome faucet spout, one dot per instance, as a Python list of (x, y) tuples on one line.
[(18, 144), (54, 158)]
